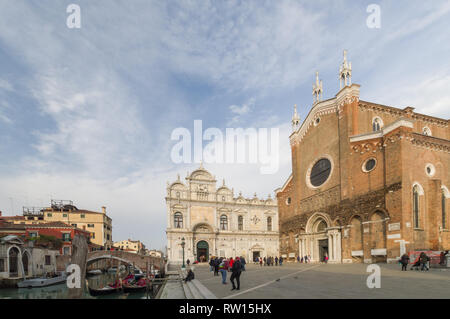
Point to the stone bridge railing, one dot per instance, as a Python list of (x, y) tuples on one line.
[(139, 261), (106, 257)]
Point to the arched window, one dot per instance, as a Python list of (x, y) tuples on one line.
[(426, 131), (269, 223), (377, 124), (444, 213), (416, 203), (321, 226), (178, 220), (223, 222), (240, 223)]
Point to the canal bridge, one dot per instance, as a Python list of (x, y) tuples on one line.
[(113, 257)]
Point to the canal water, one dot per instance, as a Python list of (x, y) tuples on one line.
[(61, 291)]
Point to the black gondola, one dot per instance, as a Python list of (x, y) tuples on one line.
[(103, 291), (134, 288)]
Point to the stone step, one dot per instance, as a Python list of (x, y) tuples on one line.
[(194, 290)]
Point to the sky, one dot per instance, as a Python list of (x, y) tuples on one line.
[(87, 114)]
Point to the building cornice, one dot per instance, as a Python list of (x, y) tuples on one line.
[(402, 122)]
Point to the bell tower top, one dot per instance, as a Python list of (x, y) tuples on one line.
[(345, 72)]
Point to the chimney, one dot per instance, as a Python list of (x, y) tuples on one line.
[(104, 210)]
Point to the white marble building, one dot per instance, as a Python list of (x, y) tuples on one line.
[(215, 223)]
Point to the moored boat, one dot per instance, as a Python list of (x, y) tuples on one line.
[(103, 291), (94, 272), (134, 288), (43, 281)]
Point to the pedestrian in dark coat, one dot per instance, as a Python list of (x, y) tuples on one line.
[(281, 261), (265, 261), (216, 266), (276, 261), (404, 260), (424, 259), (243, 262), (236, 274)]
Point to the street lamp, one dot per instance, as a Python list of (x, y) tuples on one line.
[(182, 246)]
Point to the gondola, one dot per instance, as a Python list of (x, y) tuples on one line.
[(133, 288), (103, 291)]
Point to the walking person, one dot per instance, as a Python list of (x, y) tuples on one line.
[(211, 264), (281, 260), (404, 260), (243, 263), (265, 261), (298, 259), (424, 259), (260, 261), (276, 261), (188, 262), (223, 268), (236, 274), (442, 258), (216, 266), (306, 259)]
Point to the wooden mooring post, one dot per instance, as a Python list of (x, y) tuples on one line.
[(79, 255)]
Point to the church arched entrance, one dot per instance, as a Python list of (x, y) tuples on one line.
[(320, 240), (202, 251)]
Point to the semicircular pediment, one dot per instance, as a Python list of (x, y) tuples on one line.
[(201, 174)]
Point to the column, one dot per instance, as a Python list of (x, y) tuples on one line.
[(334, 247), (330, 246), (300, 247), (338, 247)]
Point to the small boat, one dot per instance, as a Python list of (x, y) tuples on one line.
[(103, 291), (134, 288), (43, 281)]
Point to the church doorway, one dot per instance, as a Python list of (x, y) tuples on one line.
[(202, 251), (256, 255), (323, 249)]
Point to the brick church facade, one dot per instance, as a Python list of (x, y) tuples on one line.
[(369, 182)]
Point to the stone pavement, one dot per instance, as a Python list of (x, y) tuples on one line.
[(321, 281)]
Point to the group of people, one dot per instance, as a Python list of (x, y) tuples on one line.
[(225, 265), (422, 261), (269, 261), (305, 259)]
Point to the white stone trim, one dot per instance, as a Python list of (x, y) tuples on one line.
[(378, 252), (446, 192), (385, 130), (432, 169), (357, 253), (421, 191), (363, 167)]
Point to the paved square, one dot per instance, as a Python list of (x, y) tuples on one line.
[(321, 281)]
